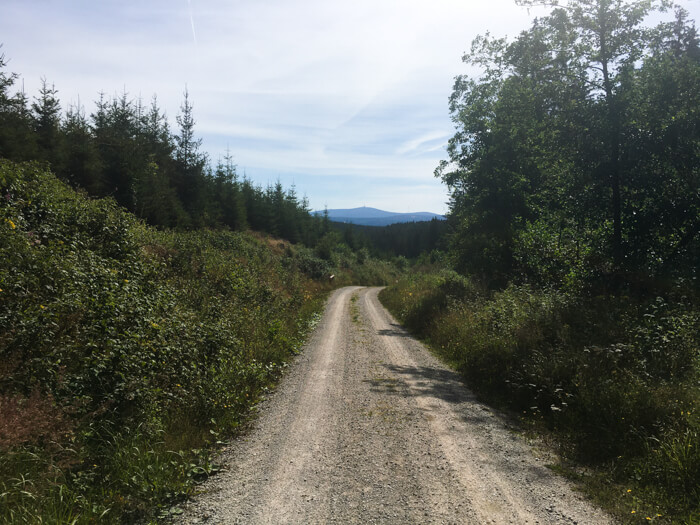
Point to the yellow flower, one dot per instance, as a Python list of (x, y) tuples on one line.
[(42, 307), (629, 490), (126, 280), (12, 224), (634, 512)]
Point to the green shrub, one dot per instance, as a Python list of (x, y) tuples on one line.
[(615, 378), (131, 349)]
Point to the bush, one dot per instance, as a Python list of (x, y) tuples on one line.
[(128, 349), (615, 378)]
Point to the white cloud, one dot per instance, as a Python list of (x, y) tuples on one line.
[(426, 142)]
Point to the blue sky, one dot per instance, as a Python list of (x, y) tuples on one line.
[(346, 100)]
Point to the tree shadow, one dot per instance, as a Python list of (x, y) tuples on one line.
[(436, 383), (396, 330)]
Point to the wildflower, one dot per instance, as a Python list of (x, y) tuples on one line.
[(634, 512), (629, 490), (12, 224), (126, 280), (42, 307)]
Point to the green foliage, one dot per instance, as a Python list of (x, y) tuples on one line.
[(127, 350), (408, 239), (614, 377), (573, 158), (127, 151)]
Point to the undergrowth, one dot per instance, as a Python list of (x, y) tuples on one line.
[(615, 377), (127, 352)]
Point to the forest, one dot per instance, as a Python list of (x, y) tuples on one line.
[(126, 150), (150, 297)]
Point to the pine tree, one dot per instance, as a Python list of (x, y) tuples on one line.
[(82, 163), (17, 138), (190, 162), (46, 111)]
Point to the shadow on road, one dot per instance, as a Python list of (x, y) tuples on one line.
[(396, 330), (431, 382)]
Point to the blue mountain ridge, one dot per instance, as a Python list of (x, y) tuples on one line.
[(373, 217)]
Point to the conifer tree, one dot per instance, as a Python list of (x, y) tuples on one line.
[(17, 138), (46, 110), (82, 163), (190, 162)]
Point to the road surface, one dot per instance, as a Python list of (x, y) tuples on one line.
[(368, 427)]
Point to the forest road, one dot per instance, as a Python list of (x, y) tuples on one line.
[(368, 427)]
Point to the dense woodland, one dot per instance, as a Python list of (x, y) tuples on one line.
[(126, 150), (406, 239), (576, 153)]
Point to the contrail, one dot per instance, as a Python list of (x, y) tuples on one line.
[(194, 35)]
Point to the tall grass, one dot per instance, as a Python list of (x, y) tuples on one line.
[(615, 378)]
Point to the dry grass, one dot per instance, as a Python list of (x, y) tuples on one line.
[(31, 420)]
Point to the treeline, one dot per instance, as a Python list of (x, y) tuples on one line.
[(406, 239), (126, 150)]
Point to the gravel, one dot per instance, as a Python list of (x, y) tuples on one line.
[(369, 427)]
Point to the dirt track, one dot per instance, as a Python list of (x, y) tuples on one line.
[(368, 427)]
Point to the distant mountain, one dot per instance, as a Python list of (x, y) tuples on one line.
[(374, 217)]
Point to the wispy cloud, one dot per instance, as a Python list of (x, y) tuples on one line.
[(425, 143), (194, 33)]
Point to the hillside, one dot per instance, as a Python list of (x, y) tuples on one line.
[(373, 217), (127, 350)]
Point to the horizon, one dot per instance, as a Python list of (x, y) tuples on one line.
[(375, 209), (348, 104)]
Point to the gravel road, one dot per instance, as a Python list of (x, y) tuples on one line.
[(368, 427)]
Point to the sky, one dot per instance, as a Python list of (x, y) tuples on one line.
[(347, 101)]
